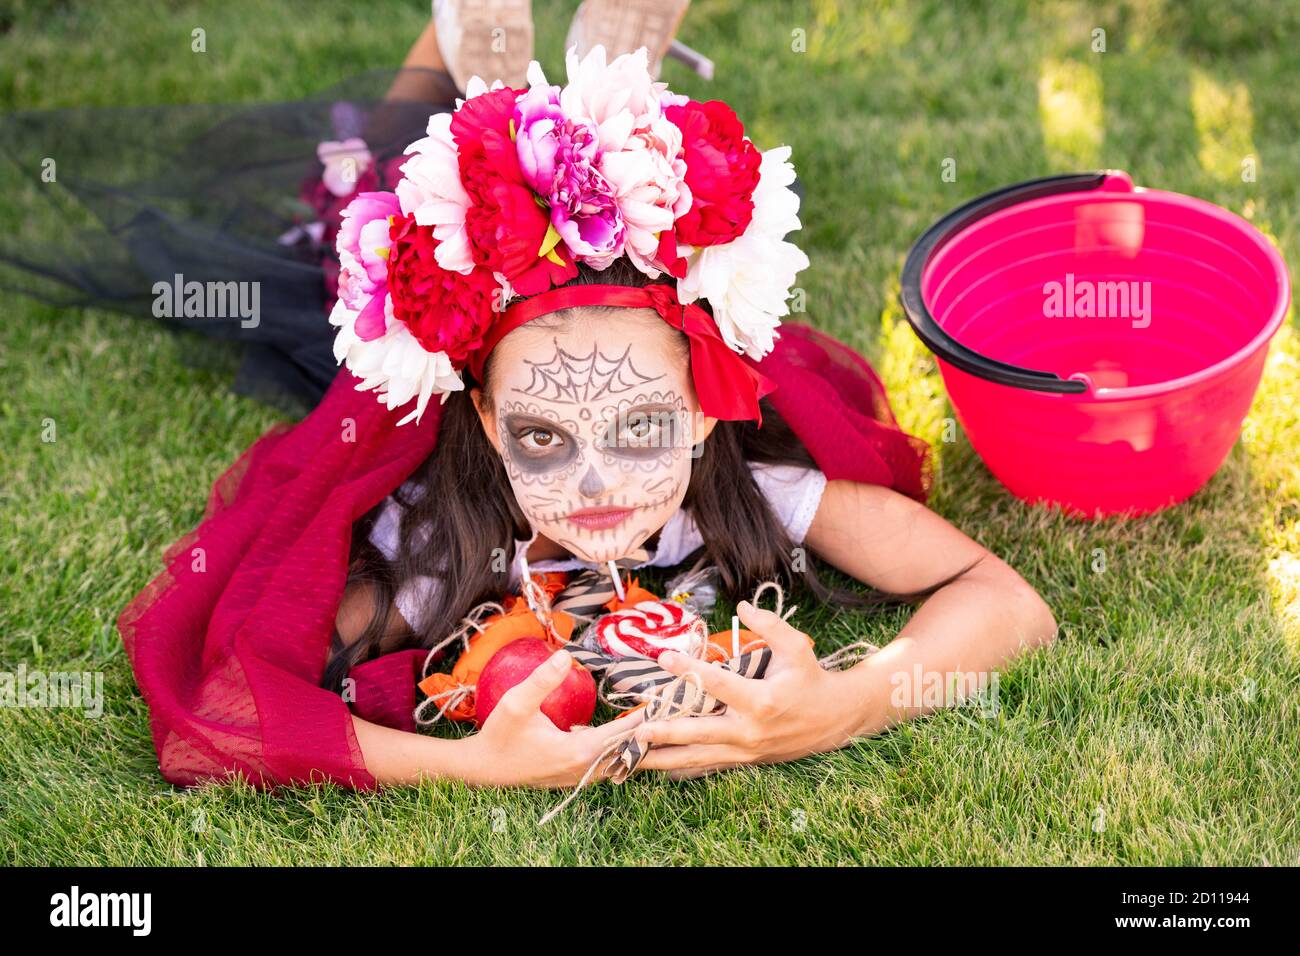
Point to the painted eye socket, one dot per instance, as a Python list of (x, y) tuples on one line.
[(642, 432), (537, 445)]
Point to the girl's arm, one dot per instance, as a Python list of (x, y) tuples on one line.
[(973, 625), (952, 646), (411, 84), (394, 757), (518, 745)]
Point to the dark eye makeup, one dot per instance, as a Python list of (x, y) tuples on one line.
[(539, 444), (646, 431)]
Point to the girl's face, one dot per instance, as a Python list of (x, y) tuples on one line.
[(595, 420)]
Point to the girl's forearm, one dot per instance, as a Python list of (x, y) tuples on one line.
[(397, 758), (424, 51), (951, 648)]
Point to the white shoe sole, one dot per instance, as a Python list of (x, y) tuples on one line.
[(490, 39), (623, 26)]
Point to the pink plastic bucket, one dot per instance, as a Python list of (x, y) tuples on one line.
[(1101, 343)]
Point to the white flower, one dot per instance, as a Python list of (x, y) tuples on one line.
[(395, 366), (431, 191), (747, 281), (476, 86), (619, 98)]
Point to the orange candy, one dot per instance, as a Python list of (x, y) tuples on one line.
[(498, 631)]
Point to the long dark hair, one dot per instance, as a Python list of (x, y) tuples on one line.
[(459, 530)]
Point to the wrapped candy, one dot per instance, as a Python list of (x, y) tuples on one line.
[(623, 648), (620, 648)]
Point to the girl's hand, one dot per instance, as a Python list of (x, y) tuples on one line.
[(519, 746), (796, 709)]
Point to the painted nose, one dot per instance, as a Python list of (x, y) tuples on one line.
[(592, 484)]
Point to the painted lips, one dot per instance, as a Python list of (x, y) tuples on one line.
[(597, 519)]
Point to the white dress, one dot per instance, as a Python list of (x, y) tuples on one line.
[(793, 492)]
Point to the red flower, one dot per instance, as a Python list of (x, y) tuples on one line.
[(672, 263), (506, 224), (507, 227), (481, 129), (721, 171), (445, 311)]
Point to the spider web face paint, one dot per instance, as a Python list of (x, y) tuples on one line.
[(578, 379), (596, 440)]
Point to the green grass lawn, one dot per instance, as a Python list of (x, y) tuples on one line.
[(1163, 728)]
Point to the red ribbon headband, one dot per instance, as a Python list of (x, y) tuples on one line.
[(727, 385)]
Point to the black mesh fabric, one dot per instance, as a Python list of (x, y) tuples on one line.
[(215, 193)]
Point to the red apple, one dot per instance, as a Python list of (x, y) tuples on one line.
[(573, 702)]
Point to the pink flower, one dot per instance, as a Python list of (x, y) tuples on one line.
[(363, 231), (649, 180), (354, 287), (558, 157), (722, 172), (344, 163), (509, 232), (363, 246), (639, 153), (540, 125)]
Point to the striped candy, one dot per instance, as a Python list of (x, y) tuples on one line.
[(648, 629)]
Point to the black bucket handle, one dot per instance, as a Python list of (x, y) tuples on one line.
[(923, 323)]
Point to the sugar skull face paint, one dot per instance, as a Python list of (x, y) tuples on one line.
[(595, 421)]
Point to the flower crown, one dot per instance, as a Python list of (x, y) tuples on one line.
[(506, 194)]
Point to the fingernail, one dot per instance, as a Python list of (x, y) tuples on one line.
[(559, 660), (667, 658), (744, 606)]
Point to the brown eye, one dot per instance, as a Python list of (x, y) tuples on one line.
[(539, 438)]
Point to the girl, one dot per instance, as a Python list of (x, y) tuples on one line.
[(589, 279), (587, 443)]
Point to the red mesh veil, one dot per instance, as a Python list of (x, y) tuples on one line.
[(836, 403), (229, 643)]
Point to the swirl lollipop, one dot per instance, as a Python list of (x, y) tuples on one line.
[(648, 628)]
